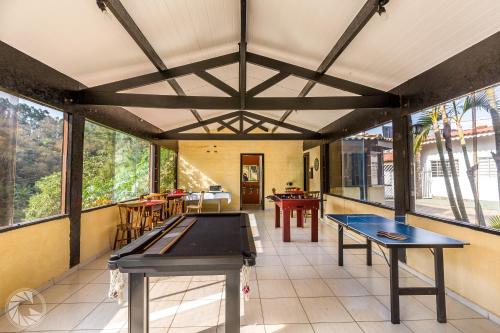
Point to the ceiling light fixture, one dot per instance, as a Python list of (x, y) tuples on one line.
[(381, 9)]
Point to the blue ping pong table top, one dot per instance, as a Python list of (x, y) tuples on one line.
[(368, 225)]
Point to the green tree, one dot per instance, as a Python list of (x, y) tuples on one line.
[(47, 200)]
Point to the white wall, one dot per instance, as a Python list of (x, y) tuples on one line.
[(488, 190)]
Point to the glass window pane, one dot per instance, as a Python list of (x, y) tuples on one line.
[(460, 135), (115, 166), (361, 166), (168, 169), (31, 137)]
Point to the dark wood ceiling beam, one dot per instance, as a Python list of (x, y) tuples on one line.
[(304, 73), (121, 14), (228, 103), (219, 84), (203, 122), (230, 122), (252, 137), (243, 54), (267, 84), (276, 122), (172, 73), (357, 24), (253, 122), (254, 126), (229, 127)]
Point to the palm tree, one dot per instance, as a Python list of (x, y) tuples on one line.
[(469, 103), (492, 107), (451, 159), (430, 121)]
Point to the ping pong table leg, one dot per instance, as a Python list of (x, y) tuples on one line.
[(286, 225), (368, 252), (276, 216), (439, 278), (394, 282), (341, 245), (233, 301), (138, 300)]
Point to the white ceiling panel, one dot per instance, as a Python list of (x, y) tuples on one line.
[(416, 36), (182, 31), (74, 37), (298, 31)]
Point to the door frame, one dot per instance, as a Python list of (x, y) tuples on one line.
[(261, 188), (307, 157)]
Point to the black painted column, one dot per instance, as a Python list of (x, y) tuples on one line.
[(402, 175), (154, 169), (324, 173), (76, 126)]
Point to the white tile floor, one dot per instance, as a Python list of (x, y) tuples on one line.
[(296, 287)]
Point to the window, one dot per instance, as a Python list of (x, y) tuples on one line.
[(463, 131), (361, 166), (31, 137), (487, 167), (437, 170), (115, 166), (168, 169)]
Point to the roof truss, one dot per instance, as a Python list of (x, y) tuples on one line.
[(241, 99), (121, 14), (256, 121), (363, 16)]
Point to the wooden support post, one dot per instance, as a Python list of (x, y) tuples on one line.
[(76, 123), (154, 168)]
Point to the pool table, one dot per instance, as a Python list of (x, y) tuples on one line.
[(213, 244)]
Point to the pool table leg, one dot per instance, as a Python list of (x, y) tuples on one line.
[(138, 299), (277, 216), (233, 301), (314, 225), (286, 225), (300, 218)]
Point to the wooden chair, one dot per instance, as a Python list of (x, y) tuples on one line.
[(197, 208), (129, 227), (177, 207)]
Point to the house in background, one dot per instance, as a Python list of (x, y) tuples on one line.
[(430, 186)]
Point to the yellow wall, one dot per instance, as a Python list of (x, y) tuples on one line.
[(472, 272), (198, 169), (32, 256), (315, 182), (97, 231)]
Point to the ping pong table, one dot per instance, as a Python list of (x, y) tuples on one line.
[(368, 225)]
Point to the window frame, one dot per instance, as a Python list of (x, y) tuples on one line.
[(89, 209), (411, 155), (366, 182), (64, 207)]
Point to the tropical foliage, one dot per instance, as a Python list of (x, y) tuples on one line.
[(437, 125), (115, 165)]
